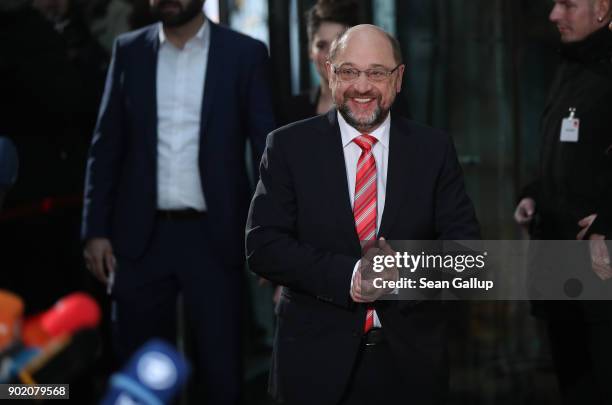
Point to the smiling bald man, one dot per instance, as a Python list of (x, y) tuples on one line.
[(329, 187)]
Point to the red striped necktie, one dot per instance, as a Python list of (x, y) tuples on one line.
[(365, 205)]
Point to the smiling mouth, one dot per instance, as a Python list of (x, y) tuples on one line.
[(363, 100)]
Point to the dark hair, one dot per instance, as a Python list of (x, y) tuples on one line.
[(345, 12)]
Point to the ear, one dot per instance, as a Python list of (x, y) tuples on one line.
[(330, 71), (602, 8), (400, 76)]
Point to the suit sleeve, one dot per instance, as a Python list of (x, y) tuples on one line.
[(531, 190), (273, 250), (105, 155), (455, 218), (260, 111)]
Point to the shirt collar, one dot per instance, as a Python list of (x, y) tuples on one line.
[(349, 133), (201, 37)]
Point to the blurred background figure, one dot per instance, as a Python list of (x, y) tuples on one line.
[(53, 10), (325, 21), (572, 198), (9, 167), (84, 52), (167, 191), (108, 19), (51, 78), (103, 20)]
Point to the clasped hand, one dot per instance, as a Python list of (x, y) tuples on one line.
[(600, 257), (363, 288)]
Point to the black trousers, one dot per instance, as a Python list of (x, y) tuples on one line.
[(582, 356), (375, 379), (180, 259)]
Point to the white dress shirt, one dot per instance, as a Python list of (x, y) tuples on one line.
[(180, 90), (380, 150)]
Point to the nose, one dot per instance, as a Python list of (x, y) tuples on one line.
[(362, 84), (555, 13)]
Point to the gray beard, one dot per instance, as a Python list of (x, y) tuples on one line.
[(374, 120)]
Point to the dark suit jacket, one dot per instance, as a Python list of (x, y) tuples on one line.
[(301, 234), (575, 178), (121, 184)]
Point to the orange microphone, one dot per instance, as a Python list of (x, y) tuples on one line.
[(11, 312)]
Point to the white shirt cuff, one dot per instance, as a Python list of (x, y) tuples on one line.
[(354, 271)]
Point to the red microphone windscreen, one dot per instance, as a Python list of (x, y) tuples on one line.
[(33, 334), (11, 311), (71, 314)]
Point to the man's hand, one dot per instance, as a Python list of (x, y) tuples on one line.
[(99, 258), (523, 214), (600, 257), (585, 223), (277, 294), (262, 282), (363, 289)]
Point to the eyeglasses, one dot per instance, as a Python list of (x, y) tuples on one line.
[(347, 74)]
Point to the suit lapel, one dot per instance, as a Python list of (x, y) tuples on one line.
[(402, 173), (214, 72), (149, 89), (337, 184)]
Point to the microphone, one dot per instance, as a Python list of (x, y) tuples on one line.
[(11, 311), (70, 314), (9, 164), (153, 376), (57, 345), (13, 356), (14, 361)]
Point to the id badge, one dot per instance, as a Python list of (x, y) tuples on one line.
[(570, 128)]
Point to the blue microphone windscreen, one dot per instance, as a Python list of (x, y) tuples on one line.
[(154, 375), (11, 366)]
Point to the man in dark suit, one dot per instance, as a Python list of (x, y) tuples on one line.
[(329, 183), (167, 189), (572, 199)]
